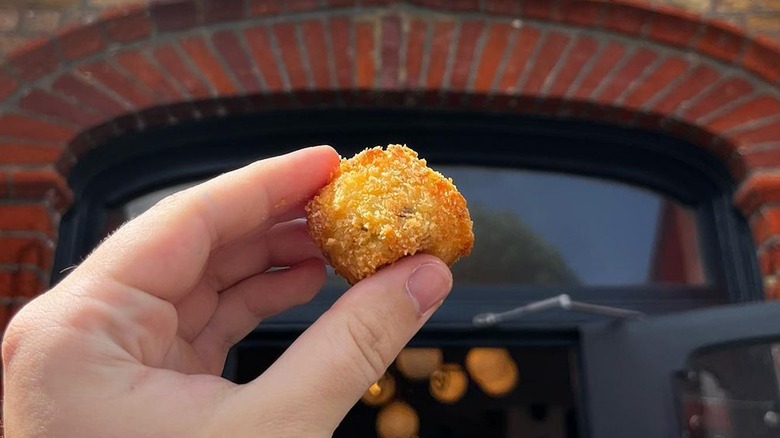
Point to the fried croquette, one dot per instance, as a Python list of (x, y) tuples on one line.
[(382, 205)]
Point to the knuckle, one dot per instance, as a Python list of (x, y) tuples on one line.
[(170, 201), (182, 200), (372, 342), (11, 340), (24, 328)]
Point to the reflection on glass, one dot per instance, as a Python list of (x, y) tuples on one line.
[(398, 420), (448, 403), (418, 363), (380, 392), (732, 392), (551, 229), (493, 369), (449, 383), (543, 228)]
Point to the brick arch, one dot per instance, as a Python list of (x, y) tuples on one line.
[(167, 62)]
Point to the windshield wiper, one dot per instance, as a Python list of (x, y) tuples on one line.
[(559, 302)]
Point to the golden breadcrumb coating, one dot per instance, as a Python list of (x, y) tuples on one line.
[(382, 205)]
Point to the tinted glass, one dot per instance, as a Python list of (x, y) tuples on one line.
[(732, 392), (556, 229), (454, 392), (548, 229)]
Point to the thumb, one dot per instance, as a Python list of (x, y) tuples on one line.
[(326, 371)]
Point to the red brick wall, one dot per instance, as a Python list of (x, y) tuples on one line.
[(656, 67), (24, 20)]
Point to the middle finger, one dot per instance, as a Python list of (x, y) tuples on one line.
[(285, 244), (282, 245)]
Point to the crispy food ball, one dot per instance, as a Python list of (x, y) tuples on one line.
[(382, 205)]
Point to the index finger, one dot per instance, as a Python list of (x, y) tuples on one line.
[(164, 250)]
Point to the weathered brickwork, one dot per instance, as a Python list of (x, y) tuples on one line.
[(24, 20)]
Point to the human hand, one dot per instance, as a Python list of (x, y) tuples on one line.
[(133, 341)]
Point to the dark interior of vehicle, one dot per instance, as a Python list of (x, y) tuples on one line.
[(542, 401)]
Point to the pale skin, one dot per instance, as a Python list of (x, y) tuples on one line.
[(132, 343)]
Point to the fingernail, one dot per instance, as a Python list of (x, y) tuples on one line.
[(427, 286)]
